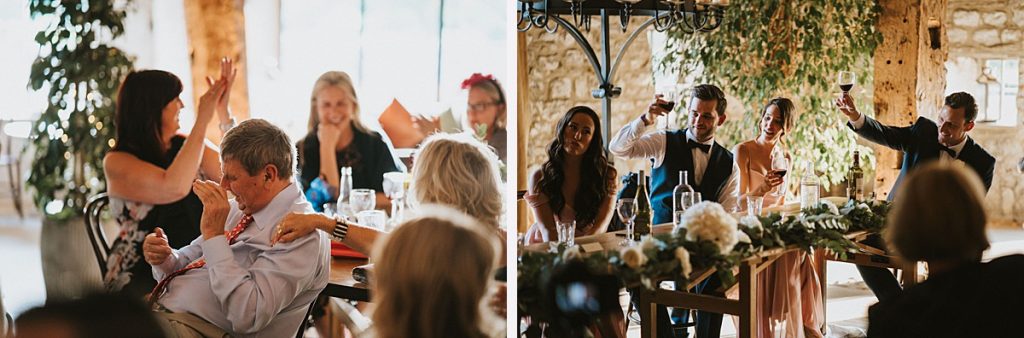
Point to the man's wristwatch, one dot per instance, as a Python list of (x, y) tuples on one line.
[(644, 119), (224, 127)]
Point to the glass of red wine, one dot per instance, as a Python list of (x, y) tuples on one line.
[(846, 81), (669, 94), (780, 166)]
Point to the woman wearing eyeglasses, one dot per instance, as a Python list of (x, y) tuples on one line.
[(485, 113)]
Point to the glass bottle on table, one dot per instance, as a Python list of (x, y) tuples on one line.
[(855, 179), (682, 199), (809, 187), (345, 192)]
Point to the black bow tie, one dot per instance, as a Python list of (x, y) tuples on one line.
[(947, 150), (703, 147)]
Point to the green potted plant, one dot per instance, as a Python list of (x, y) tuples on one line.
[(768, 48), (81, 72)]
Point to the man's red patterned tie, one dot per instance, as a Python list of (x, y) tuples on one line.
[(231, 235)]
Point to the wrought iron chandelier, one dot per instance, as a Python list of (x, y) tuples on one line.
[(689, 15)]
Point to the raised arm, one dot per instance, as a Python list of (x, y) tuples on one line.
[(898, 138), (126, 173), (631, 142)]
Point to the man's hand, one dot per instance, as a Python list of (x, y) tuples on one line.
[(847, 107), (155, 248), (215, 208)]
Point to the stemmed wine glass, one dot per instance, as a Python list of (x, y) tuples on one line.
[(626, 207), (670, 94), (846, 81), (780, 166)]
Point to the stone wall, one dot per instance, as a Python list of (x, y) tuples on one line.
[(979, 30), (561, 76)]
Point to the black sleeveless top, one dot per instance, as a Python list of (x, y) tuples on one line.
[(179, 220)]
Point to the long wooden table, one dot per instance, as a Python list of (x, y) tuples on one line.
[(342, 285), (745, 306)]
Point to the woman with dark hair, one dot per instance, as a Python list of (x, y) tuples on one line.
[(151, 167), (576, 183)]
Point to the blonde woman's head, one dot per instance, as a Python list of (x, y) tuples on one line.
[(432, 276), (460, 171), (334, 101), (938, 215)]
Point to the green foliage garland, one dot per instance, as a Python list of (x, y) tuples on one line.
[(823, 226), (82, 73), (769, 48)]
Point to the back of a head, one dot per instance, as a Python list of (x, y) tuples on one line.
[(938, 215), (470, 180), (431, 276), (95, 316), (256, 143)]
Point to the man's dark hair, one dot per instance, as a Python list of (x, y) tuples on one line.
[(963, 100), (710, 92)]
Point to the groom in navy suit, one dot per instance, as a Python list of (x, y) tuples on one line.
[(921, 142)]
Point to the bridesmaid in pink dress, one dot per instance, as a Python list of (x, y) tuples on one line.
[(576, 182), (791, 303)]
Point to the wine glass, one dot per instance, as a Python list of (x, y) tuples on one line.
[(362, 200), (394, 188), (626, 207), (780, 166), (670, 94), (846, 80)]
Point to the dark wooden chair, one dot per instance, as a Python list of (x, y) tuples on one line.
[(94, 228)]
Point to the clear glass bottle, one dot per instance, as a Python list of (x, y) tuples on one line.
[(682, 198), (344, 191), (809, 187)]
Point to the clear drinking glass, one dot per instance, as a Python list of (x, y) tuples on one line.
[(362, 200), (626, 207), (330, 209), (372, 218), (566, 232), (754, 205)]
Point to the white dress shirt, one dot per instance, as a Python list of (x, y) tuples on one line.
[(249, 288), (633, 141)]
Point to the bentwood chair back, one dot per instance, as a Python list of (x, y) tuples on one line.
[(94, 228)]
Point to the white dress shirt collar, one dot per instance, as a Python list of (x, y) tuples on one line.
[(691, 136), (958, 147), (272, 212)]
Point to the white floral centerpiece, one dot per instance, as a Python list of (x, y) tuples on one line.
[(708, 221)]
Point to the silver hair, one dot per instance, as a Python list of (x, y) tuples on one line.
[(256, 143)]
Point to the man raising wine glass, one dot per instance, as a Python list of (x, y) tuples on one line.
[(922, 142)]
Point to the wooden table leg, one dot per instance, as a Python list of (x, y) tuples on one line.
[(748, 300), (648, 314)]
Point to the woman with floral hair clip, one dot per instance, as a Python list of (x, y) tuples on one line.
[(485, 113)]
